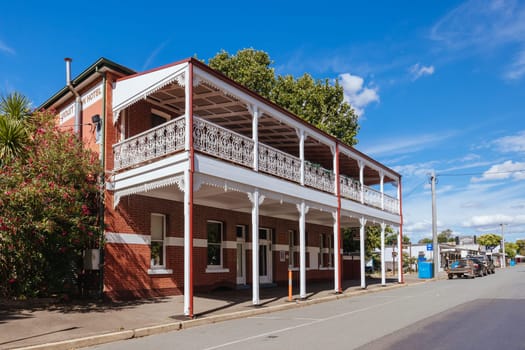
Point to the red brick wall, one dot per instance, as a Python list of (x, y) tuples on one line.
[(126, 265)]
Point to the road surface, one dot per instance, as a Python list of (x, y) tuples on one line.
[(480, 313)]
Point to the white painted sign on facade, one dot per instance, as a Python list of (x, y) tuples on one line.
[(89, 98)]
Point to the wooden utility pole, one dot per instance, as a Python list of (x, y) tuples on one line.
[(435, 248)]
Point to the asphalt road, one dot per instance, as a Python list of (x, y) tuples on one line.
[(481, 313)]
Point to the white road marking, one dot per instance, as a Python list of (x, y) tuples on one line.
[(282, 330)]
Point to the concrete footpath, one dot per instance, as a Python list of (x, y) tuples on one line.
[(49, 325)]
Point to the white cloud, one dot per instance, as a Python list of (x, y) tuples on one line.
[(481, 25), (154, 54), (418, 169), (406, 144), (514, 143), (476, 27), (494, 220), (356, 93), (505, 170), (517, 69), (6, 49), (417, 71)]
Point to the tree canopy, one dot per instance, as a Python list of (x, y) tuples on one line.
[(319, 102), (49, 204), (445, 236), (489, 240)]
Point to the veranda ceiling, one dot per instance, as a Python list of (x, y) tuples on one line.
[(163, 88)]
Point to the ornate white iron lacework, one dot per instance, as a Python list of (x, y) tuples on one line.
[(278, 163), (391, 204), (372, 197), (318, 177), (153, 143), (222, 143), (350, 188)]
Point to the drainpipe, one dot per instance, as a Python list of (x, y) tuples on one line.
[(102, 204), (78, 100)]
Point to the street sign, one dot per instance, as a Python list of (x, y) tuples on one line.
[(429, 247)]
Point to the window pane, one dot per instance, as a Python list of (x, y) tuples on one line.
[(240, 231), (263, 234), (157, 227), (214, 232), (214, 254), (157, 254)]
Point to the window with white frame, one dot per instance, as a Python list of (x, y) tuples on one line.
[(321, 249), (157, 245), (214, 230), (330, 252)]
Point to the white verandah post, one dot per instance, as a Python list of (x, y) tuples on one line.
[(362, 221), (400, 257), (256, 200), (383, 263), (303, 210)]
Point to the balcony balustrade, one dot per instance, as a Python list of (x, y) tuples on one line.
[(225, 144), (150, 144), (318, 177), (350, 188), (222, 143)]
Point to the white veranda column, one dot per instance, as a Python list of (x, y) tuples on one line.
[(400, 256), (187, 243), (337, 253), (256, 198), (362, 222), (383, 275), (187, 200), (303, 210)]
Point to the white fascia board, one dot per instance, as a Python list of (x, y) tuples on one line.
[(154, 171), (355, 209), (283, 188), (265, 108), (130, 90)]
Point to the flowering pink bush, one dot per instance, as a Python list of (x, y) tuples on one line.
[(49, 199)]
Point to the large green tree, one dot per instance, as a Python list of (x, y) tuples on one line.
[(48, 211), (511, 249), (320, 102), (445, 236), (489, 240), (521, 246)]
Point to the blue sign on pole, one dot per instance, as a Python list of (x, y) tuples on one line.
[(429, 247)]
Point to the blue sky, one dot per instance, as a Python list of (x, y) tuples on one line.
[(439, 85)]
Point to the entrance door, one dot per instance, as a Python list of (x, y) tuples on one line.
[(241, 254), (265, 255)]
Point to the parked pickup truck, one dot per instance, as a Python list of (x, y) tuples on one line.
[(464, 268)]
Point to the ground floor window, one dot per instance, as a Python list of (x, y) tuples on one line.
[(158, 234), (215, 231), (321, 250), (330, 252)]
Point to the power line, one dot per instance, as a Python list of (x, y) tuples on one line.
[(413, 189)]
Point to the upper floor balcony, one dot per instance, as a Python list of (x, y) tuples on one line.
[(219, 142), (234, 125)]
